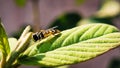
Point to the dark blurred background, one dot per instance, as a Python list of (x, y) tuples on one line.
[(66, 14)]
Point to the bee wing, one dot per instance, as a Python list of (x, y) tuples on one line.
[(55, 27)]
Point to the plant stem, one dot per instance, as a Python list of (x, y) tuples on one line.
[(36, 14)]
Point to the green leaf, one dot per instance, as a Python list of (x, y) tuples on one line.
[(95, 20), (72, 46), (4, 45), (12, 42), (110, 8), (20, 3), (79, 2)]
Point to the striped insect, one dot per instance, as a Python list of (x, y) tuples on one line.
[(45, 33)]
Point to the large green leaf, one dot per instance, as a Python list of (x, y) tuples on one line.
[(4, 45), (72, 46)]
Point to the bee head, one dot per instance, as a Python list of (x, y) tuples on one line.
[(38, 36), (35, 37)]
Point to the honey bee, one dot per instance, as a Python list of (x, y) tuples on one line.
[(45, 33)]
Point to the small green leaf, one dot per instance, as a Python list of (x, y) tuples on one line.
[(72, 46), (110, 8), (79, 2), (12, 42), (20, 3), (4, 45), (92, 20)]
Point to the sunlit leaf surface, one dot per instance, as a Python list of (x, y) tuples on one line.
[(72, 46)]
